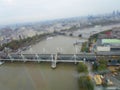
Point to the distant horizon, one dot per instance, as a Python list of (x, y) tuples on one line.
[(17, 11), (49, 20)]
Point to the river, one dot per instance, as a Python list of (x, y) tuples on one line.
[(34, 76), (61, 44), (40, 76)]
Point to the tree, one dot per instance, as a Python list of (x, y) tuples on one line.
[(103, 61), (84, 47), (82, 68), (85, 83), (95, 66), (100, 65), (15, 44)]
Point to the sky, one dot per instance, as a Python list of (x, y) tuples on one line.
[(16, 11)]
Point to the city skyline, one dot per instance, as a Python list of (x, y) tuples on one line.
[(17, 11)]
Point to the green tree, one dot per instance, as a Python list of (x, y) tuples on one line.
[(82, 68), (100, 65), (95, 66), (15, 44), (85, 47), (85, 83)]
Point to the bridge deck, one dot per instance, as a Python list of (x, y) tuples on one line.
[(51, 57)]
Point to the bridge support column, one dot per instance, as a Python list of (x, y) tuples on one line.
[(53, 64), (84, 59), (54, 61), (75, 59), (37, 58), (10, 57), (23, 58)]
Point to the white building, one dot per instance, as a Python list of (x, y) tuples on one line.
[(103, 48)]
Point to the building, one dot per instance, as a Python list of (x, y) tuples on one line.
[(105, 45), (111, 41), (103, 48)]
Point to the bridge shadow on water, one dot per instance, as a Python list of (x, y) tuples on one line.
[(43, 64)]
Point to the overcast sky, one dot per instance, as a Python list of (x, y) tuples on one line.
[(35, 10)]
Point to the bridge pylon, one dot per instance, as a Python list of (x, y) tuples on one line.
[(54, 60), (36, 55), (75, 58), (84, 59), (23, 57), (10, 57)]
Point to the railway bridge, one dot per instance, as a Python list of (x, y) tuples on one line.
[(53, 58)]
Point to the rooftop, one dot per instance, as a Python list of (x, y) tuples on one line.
[(111, 41)]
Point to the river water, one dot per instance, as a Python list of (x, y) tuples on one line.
[(40, 76), (61, 44), (34, 76)]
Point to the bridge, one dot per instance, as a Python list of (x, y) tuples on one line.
[(53, 58)]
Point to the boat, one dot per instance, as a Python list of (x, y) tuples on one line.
[(48, 38)]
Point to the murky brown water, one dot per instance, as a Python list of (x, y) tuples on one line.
[(34, 76), (62, 44)]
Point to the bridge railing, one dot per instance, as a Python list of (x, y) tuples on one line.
[(43, 57)]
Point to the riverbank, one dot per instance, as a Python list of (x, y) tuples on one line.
[(23, 44)]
